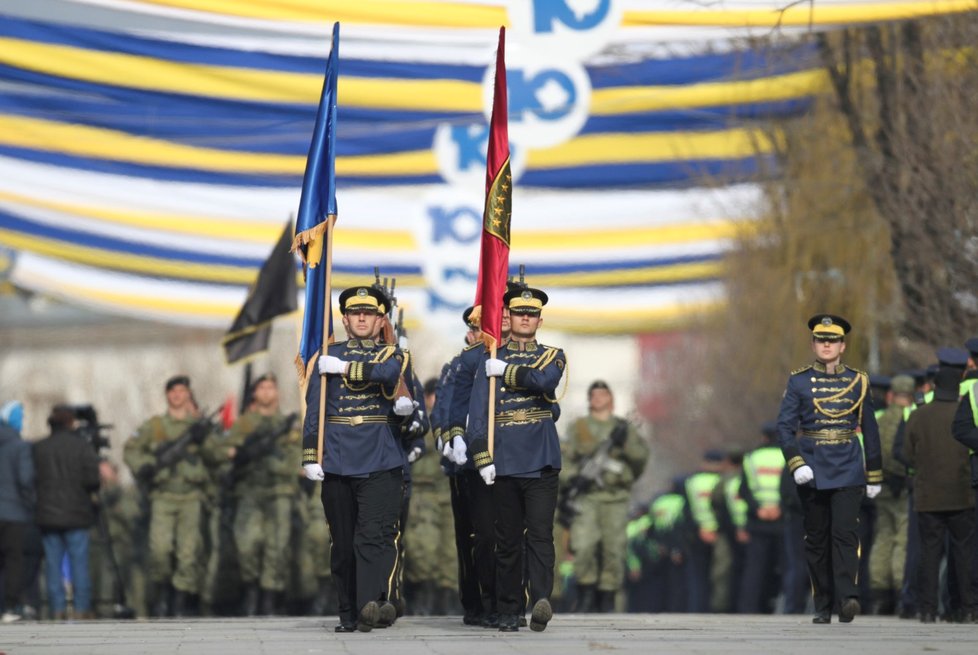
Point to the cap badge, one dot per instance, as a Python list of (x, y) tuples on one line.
[(826, 321), (526, 295), (362, 293)]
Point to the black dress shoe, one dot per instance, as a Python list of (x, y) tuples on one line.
[(387, 616), (369, 615), (928, 617), (541, 615), (345, 627), (822, 619), (850, 608), (490, 620), (472, 619), (509, 623)]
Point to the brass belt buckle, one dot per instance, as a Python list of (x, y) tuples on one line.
[(356, 420), (519, 415)]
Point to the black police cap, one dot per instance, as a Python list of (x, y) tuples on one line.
[(364, 297), (952, 357), (972, 346), (880, 381), (465, 316), (525, 300), (829, 324)]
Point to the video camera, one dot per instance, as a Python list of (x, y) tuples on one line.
[(90, 429)]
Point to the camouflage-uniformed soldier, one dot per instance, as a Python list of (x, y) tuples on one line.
[(526, 458), (171, 454), (598, 535), (362, 462), (263, 446), (824, 405), (119, 513), (313, 578), (892, 514)]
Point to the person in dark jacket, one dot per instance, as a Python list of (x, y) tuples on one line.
[(66, 475), (943, 498), (16, 506)]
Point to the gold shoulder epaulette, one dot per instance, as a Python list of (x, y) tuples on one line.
[(384, 354), (477, 344), (801, 370), (548, 356)]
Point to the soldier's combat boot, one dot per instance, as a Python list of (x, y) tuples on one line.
[(606, 601), (161, 603), (586, 602), (249, 604), (181, 604), (270, 602)]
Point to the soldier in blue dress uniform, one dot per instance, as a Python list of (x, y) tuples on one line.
[(472, 504), (825, 406), (525, 464), (362, 465)]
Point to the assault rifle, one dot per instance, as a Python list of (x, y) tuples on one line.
[(256, 444), (169, 453), (590, 475)]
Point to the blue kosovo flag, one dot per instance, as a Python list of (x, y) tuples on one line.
[(314, 223)]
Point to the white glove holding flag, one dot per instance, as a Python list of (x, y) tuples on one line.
[(873, 490), (804, 474), (414, 455), (313, 472), (459, 450), (488, 474), (329, 365), (495, 368), (404, 406)]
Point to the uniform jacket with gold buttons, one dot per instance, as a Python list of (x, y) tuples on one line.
[(360, 432), (526, 440), (818, 425)]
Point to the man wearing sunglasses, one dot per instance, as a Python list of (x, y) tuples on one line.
[(825, 407)]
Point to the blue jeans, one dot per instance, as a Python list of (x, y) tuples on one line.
[(75, 543)]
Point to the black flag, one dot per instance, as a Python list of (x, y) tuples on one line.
[(273, 294)]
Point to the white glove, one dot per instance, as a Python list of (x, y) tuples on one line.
[(873, 490), (488, 474), (331, 365), (404, 406), (495, 368), (459, 450), (804, 474), (314, 471), (414, 455)]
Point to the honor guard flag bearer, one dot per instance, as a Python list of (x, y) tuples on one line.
[(314, 229), (494, 256)]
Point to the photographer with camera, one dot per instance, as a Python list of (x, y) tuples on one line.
[(66, 475), (171, 455)]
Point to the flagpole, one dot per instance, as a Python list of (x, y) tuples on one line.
[(492, 403), (327, 297)]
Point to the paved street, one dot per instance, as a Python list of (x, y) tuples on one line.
[(567, 635)]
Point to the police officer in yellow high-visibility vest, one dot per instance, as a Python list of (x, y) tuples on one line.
[(698, 488)]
